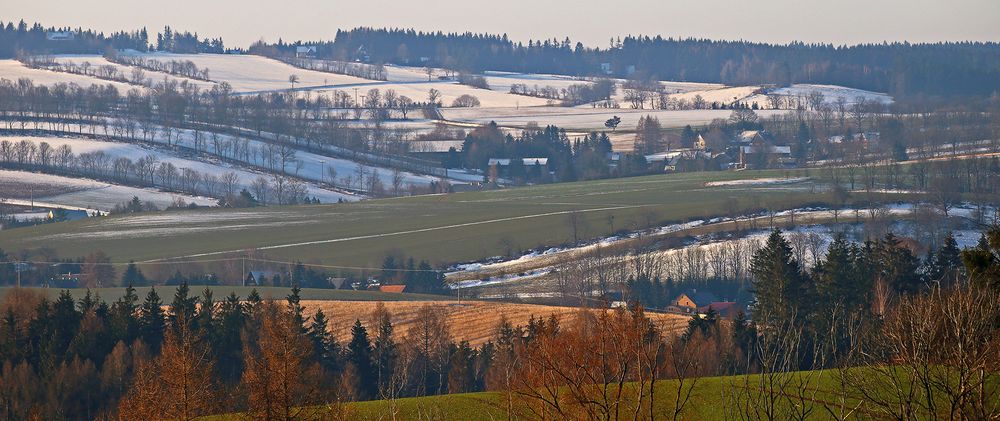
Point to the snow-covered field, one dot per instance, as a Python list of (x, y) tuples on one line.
[(726, 95), (99, 61), (450, 90), (831, 94), (14, 70), (134, 152), (92, 194), (757, 182), (584, 118), (255, 73)]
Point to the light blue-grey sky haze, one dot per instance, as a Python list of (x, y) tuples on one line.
[(593, 22)]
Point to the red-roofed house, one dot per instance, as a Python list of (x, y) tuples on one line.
[(395, 289), (726, 309)]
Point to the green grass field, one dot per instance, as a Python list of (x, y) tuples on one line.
[(220, 292), (713, 398), (440, 228)]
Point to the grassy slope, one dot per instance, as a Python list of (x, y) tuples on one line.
[(711, 399), (220, 292), (540, 212)]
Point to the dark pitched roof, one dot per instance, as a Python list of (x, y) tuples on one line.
[(701, 298)]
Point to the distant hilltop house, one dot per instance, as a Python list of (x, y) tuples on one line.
[(60, 35), (361, 55), (305, 51), (606, 68)]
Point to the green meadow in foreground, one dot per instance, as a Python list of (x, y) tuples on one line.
[(713, 398)]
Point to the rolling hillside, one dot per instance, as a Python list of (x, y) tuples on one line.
[(441, 228)]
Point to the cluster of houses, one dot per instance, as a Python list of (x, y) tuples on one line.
[(749, 149)]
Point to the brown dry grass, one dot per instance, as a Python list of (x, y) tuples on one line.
[(472, 321)]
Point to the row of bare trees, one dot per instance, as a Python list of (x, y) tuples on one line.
[(149, 171)]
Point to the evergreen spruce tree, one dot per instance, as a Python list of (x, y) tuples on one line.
[(295, 308), (184, 307), (359, 355), (896, 265), (133, 276), (782, 291), (228, 340), (384, 354), (205, 318), (947, 262), (325, 348), (837, 277), (124, 325), (151, 321), (983, 261)]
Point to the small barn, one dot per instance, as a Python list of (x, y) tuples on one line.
[(305, 51), (60, 35)]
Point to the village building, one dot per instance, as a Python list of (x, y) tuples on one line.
[(305, 51), (395, 289), (690, 301), (532, 167), (60, 35)]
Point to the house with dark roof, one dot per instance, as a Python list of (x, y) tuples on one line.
[(258, 277), (691, 300)]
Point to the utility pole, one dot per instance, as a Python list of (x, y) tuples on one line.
[(243, 261)]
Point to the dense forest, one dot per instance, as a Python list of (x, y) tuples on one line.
[(34, 39), (901, 69)]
